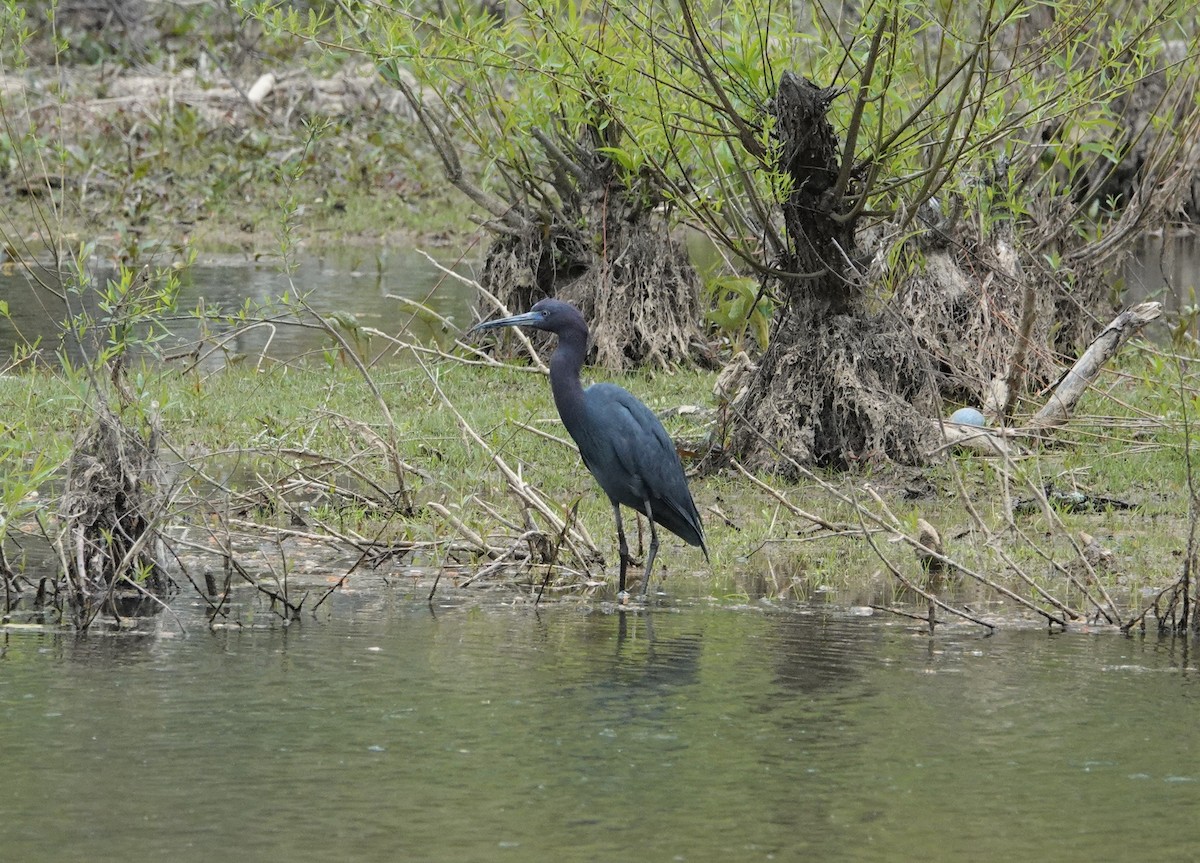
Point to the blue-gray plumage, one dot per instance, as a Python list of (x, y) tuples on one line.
[(621, 441)]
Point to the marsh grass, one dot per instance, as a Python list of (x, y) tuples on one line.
[(403, 466), (296, 451)]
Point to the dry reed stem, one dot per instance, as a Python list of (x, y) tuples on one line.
[(484, 360), (992, 541), (574, 535), (333, 539), (1053, 519), (375, 439), (472, 537), (933, 554), (932, 599), (992, 538), (499, 306), (787, 504), (893, 525), (494, 513), (391, 449), (233, 565), (1141, 615), (518, 543), (1070, 612)]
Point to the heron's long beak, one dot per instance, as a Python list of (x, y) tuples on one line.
[(527, 319)]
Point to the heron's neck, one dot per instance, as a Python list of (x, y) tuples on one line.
[(565, 366)]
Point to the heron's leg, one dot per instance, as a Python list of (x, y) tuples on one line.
[(653, 552), (622, 546)]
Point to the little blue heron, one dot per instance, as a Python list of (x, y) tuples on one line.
[(621, 441)]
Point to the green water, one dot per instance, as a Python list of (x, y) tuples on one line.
[(392, 731), (349, 284)]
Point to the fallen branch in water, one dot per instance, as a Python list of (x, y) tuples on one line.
[(933, 600), (503, 558), (887, 521)]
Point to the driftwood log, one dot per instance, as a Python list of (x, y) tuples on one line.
[(1060, 406)]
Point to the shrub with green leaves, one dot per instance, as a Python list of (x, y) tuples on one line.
[(1005, 104)]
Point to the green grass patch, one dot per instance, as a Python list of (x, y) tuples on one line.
[(259, 429)]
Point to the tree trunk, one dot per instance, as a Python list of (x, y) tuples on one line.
[(837, 384)]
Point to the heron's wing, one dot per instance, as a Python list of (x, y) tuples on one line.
[(634, 460), (625, 440)]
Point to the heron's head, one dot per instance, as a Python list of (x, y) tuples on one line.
[(551, 315)]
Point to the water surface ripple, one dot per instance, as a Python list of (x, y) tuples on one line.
[(393, 731)]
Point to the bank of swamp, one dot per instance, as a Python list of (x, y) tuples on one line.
[(289, 479), (445, 470)]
